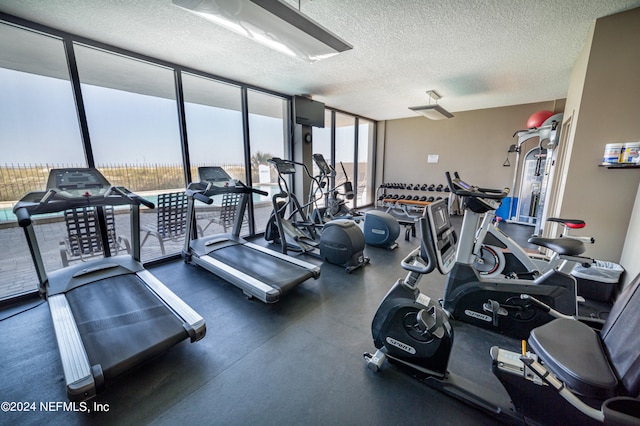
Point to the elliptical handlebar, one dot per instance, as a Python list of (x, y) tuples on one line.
[(280, 162)]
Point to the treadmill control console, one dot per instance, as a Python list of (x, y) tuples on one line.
[(78, 182), (213, 174)]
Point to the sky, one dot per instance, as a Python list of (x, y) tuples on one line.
[(38, 125)]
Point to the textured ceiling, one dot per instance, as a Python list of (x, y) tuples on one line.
[(476, 54)]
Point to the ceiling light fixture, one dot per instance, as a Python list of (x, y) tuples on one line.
[(432, 111), (271, 23)]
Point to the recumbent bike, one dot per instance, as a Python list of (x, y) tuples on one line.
[(577, 375)]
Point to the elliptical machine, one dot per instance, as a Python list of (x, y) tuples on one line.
[(494, 303), (572, 385), (335, 206), (339, 241)]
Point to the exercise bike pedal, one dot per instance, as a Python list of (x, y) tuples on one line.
[(495, 310), (375, 361)]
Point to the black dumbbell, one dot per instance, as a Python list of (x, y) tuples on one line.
[(439, 188)]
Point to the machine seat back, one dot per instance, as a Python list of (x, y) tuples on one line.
[(595, 365), (620, 337)]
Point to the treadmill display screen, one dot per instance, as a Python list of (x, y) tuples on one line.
[(77, 182), (213, 174)]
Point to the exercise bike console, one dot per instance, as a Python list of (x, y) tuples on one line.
[(480, 200)]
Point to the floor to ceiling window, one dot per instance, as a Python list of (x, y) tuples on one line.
[(321, 144), (345, 152), (125, 119), (213, 113), (365, 165), (339, 137), (268, 136), (133, 124), (38, 131)]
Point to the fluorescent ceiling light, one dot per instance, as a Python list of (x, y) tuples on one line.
[(432, 111), (271, 23)]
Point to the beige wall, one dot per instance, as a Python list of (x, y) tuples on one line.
[(474, 143), (603, 105)]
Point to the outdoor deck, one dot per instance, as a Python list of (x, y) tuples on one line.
[(18, 275)]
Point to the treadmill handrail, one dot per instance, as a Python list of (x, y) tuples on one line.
[(52, 201), (208, 189)]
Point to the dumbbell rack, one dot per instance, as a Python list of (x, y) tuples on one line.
[(397, 195)]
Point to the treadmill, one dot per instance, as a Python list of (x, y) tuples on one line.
[(108, 314), (260, 272)]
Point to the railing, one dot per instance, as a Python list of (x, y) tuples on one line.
[(17, 180)]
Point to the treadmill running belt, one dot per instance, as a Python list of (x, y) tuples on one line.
[(122, 322), (271, 270)]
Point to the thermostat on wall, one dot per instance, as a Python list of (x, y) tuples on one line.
[(432, 158)]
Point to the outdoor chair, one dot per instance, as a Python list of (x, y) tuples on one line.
[(83, 238), (171, 221), (227, 216)]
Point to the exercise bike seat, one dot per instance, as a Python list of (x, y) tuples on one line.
[(562, 246), (574, 353), (569, 223)]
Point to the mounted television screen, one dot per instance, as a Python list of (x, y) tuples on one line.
[(308, 112)]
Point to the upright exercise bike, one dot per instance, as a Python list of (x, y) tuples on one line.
[(496, 255), (560, 383), (494, 302)]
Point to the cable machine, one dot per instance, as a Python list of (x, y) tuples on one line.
[(535, 172)]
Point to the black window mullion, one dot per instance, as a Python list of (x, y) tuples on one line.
[(244, 93), (182, 122), (355, 162), (74, 77)]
